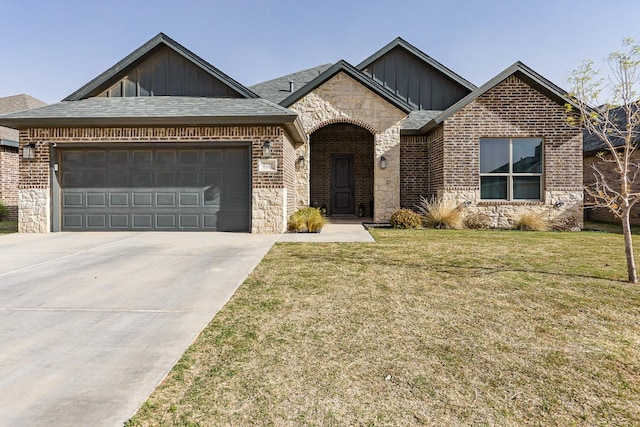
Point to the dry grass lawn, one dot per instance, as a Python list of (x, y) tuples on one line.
[(424, 327)]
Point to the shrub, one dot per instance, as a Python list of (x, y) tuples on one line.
[(440, 214), (531, 221), (3, 211), (306, 219), (478, 221), (567, 223), (405, 218)]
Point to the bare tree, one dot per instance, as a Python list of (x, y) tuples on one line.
[(617, 125)]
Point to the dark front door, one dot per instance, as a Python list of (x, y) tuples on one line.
[(342, 184)]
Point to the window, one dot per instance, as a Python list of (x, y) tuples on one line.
[(511, 168)]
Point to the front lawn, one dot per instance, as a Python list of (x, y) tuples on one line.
[(428, 327)]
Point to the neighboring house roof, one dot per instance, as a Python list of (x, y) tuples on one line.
[(158, 111), (9, 104), (518, 69), (279, 88), (592, 144), (351, 71), (399, 42), (145, 50)]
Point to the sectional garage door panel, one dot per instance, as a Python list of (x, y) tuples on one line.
[(155, 189)]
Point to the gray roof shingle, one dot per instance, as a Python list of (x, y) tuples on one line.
[(418, 118), (158, 111), (277, 89), (592, 144)]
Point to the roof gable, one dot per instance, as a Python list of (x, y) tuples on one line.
[(162, 67), (415, 77), (351, 71), (518, 69)]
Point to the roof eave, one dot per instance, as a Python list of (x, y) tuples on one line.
[(164, 121), (523, 72)]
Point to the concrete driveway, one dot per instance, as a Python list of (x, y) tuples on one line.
[(91, 323)]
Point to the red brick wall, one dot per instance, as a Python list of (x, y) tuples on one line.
[(9, 181), (414, 170), (512, 109), (341, 138)]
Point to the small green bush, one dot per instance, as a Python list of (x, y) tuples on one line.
[(3, 211), (478, 221), (405, 218), (440, 214), (531, 221), (307, 219)]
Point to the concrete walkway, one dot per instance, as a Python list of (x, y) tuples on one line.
[(339, 231)]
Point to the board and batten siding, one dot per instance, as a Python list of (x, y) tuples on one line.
[(416, 82), (167, 73)]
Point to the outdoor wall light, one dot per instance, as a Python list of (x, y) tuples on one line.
[(300, 162), (559, 204), (29, 151), (266, 149), (383, 162)]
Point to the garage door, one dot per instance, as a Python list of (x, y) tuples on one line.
[(155, 189)]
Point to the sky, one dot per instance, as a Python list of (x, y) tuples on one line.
[(52, 48)]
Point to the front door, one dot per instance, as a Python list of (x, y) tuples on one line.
[(342, 184)]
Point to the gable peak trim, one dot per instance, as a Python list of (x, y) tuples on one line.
[(357, 75)]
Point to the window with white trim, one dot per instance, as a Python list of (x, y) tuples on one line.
[(511, 169)]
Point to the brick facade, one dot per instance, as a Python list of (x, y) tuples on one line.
[(512, 109), (605, 214), (341, 138), (9, 181), (35, 174)]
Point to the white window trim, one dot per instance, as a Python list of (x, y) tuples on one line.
[(512, 174)]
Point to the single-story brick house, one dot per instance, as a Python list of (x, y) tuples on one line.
[(9, 152), (163, 140), (593, 146)]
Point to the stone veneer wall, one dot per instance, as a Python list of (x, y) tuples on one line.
[(341, 138), (343, 99), (269, 188), (9, 181), (604, 214), (513, 109)]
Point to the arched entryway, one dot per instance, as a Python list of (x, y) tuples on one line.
[(341, 169)]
